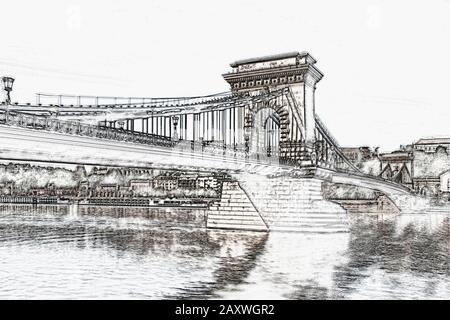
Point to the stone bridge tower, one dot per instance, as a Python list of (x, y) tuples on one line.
[(295, 72)]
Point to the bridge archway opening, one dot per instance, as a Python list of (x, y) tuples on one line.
[(265, 134), (425, 191)]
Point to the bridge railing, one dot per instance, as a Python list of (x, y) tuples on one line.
[(19, 119), (213, 147), (362, 175), (321, 126)]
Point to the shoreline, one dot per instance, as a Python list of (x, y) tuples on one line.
[(205, 207)]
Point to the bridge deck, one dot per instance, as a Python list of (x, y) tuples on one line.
[(23, 143)]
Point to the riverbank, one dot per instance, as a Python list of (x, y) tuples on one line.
[(124, 202)]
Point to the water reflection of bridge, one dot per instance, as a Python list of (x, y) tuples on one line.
[(113, 251)]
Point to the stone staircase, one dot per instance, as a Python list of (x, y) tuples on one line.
[(234, 211)]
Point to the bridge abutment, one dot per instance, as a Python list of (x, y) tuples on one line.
[(282, 203), (235, 210)]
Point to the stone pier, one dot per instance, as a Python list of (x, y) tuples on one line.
[(281, 203)]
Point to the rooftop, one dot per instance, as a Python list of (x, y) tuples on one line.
[(355, 148), (435, 140), (396, 154)]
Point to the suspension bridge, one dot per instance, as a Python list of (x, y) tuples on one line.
[(265, 132)]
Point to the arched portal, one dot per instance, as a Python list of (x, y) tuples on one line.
[(272, 135), (273, 122), (425, 191), (265, 133)]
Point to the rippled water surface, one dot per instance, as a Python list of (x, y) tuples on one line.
[(129, 253)]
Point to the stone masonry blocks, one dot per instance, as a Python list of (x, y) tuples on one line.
[(294, 204), (234, 211)]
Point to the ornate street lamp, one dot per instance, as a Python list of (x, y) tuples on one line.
[(7, 86), (175, 124)]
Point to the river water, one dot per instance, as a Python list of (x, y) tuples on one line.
[(58, 252)]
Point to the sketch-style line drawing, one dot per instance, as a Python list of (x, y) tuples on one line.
[(255, 159), (276, 156)]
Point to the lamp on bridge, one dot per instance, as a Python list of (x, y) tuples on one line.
[(175, 124), (7, 86)]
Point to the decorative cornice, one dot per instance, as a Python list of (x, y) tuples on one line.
[(255, 79)]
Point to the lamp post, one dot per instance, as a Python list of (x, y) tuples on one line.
[(175, 124), (7, 86)]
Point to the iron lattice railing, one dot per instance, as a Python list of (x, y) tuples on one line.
[(36, 122), (338, 160)]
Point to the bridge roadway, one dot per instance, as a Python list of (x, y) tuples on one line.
[(30, 144), (37, 145)]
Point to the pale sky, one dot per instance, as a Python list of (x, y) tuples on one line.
[(386, 63)]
